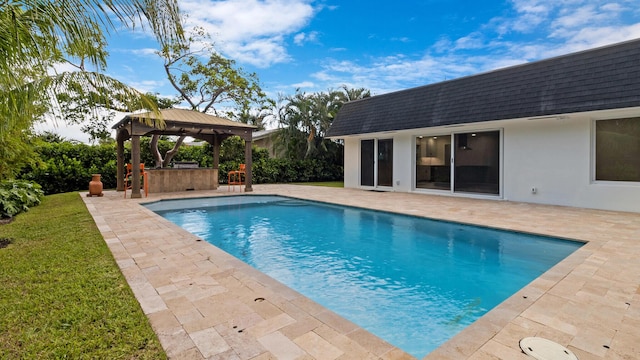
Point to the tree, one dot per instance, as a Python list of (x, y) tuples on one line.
[(36, 34), (162, 102), (312, 115), (354, 94), (205, 85), (50, 137), (96, 127)]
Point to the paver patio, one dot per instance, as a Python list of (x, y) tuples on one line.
[(206, 304)]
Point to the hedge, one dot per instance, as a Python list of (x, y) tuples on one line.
[(65, 166)]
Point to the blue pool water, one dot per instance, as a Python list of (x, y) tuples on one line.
[(411, 281)]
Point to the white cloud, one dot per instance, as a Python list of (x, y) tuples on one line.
[(403, 39), (536, 29), (146, 85), (612, 7), (302, 38), (142, 52), (529, 14), (58, 68), (471, 41), (304, 84), (250, 31)]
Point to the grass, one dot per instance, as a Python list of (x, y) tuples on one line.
[(336, 184), (63, 295)]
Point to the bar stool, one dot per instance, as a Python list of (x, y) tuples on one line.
[(236, 177), (128, 180)]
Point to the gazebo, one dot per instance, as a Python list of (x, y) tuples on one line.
[(179, 122)]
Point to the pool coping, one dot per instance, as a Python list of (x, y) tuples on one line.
[(589, 302)]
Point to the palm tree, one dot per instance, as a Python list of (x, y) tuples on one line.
[(36, 34), (354, 93), (313, 114)]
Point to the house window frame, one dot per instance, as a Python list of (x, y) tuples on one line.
[(594, 153)]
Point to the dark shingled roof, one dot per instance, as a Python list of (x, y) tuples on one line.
[(598, 79)]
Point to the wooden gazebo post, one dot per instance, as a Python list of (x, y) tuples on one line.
[(121, 136), (248, 161), (216, 159), (135, 167)]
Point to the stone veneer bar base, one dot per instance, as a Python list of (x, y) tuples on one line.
[(174, 180)]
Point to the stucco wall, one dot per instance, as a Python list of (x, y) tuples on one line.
[(352, 162), (554, 156)]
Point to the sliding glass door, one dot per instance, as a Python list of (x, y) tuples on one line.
[(385, 162), (477, 162), (472, 167), (433, 162), (367, 160), (376, 162)]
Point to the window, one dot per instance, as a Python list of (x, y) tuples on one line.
[(618, 150)]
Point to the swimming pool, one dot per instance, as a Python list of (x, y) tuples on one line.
[(411, 281)]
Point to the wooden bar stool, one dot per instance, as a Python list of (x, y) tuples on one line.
[(129, 177), (236, 177)]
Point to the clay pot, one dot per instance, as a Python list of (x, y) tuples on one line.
[(95, 186)]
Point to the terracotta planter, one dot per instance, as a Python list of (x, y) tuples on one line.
[(95, 186)]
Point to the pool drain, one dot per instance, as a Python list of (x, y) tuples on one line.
[(543, 349)]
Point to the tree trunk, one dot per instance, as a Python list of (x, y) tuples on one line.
[(169, 155), (154, 150), (160, 162)]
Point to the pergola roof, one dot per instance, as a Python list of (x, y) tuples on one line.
[(183, 122)]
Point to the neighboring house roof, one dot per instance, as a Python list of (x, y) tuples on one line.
[(597, 79), (262, 134)]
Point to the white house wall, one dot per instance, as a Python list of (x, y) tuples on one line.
[(403, 155), (554, 156), (352, 162)]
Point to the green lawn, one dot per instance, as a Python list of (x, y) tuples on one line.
[(63, 295)]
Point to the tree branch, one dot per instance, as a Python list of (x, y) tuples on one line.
[(175, 86)]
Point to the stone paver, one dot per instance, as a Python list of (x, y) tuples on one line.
[(202, 302)]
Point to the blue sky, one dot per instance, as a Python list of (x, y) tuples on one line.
[(379, 45)]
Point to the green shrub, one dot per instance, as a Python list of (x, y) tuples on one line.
[(65, 167), (18, 196)]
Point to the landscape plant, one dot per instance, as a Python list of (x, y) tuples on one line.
[(18, 196), (63, 166), (37, 36)]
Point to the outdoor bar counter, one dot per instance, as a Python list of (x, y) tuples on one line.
[(182, 179)]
